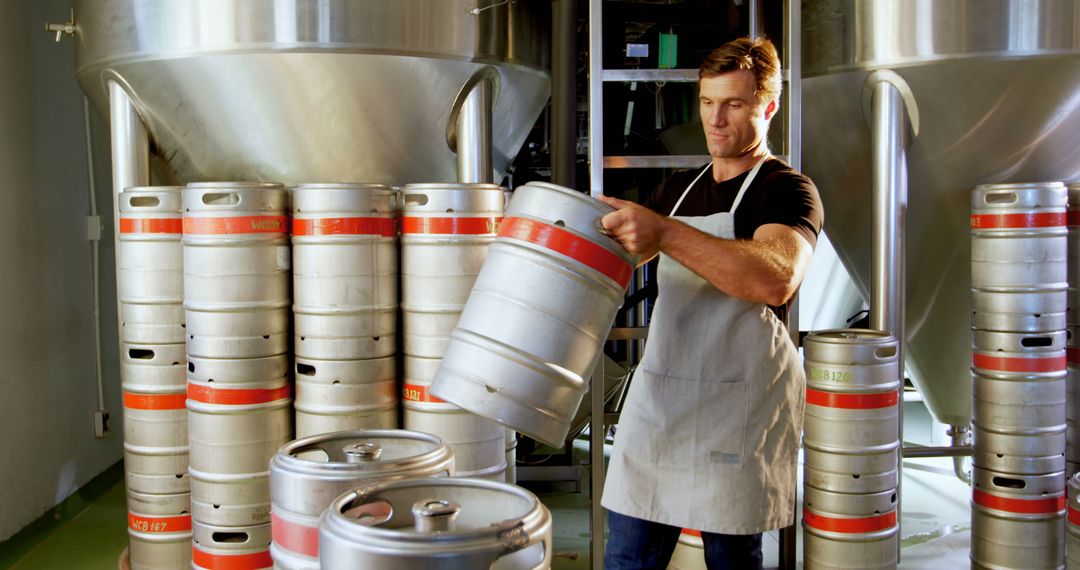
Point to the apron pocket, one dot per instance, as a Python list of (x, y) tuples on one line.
[(720, 423)]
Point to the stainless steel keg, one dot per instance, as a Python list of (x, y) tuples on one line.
[(444, 524), (689, 553), (851, 471), (345, 266), (445, 233), (151, 270), (479, 443), (1017, 521), (306, 475), (1029, 311), (159, 531), (224, 547), (535, 323), (1073, 526), (338, 395), (511, 456), (1072, 397), (236, 269), (153, 367), (234, 430), (156, 441), (844, 531), (1016, 452), (1019, 236), (1073, 272)]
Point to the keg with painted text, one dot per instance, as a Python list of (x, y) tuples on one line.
[(151, 258), (234, 430), (1072, 398), (1019, 236), (1017, 521), (241, 548), (536, 320), (338, 395), (236, 269), (1028, 311), (445, 233), (1018, 452), (1073, 532), (306, 475), (159, 531), (345, 266), (1073, 272), (429, 524), (848, 531), (479, 443), (852, 393)]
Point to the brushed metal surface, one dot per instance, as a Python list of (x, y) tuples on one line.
[(298, 91), (996, 86)]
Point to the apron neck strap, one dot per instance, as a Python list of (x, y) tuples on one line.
[(742, 190)]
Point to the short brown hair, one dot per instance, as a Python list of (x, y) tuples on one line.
[(757, 56)]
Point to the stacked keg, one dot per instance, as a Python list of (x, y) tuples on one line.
[(239, 395), (152, 368), (306, 475), (1073, 554), (433, 524), (1018, 278), (535, 323), (850, 443), (1072, 383), (345, 307), (446, 230)]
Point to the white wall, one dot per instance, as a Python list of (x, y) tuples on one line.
[(47, 446)]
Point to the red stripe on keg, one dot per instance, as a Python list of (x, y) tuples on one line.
[(1074, 516), (295, 537), (1019, 506), (1007, 364), (849, 526), (1074, 217), (691, 532), (140, 523), (561, 241), (852, 401), (253, 561), (1038, 220), (155, 401), (418, 393), (460, 226), (151, 225), (234, 397), (1073, 355), (237, 225), (343, 226)]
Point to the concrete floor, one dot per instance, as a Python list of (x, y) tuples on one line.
[(935, 522)]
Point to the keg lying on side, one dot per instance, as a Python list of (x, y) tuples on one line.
[(537, 318), (306, 475), (429, 524)]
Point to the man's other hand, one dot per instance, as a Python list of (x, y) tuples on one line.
[(638, 229)]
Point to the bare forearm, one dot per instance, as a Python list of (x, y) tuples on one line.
[(760, 271)]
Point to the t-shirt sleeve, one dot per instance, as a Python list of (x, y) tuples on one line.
[(793, 200)]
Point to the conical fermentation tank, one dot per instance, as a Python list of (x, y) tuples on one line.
[(299, 91), (992, 96)]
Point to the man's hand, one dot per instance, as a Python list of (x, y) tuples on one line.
[(638, 229)]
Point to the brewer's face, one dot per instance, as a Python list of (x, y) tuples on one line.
[(735, 121)]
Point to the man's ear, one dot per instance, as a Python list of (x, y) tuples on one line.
[(771, 109)]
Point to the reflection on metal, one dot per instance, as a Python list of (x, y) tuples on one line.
[(1011, 64), (468, 131), (297, 91)]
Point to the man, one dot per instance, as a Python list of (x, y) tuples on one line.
[(709, 434)]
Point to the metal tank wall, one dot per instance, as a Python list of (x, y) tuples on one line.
[(46, 340)]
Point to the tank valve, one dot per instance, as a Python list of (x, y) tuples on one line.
[(61, 29)]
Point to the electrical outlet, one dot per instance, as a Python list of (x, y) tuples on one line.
[(101, 423)]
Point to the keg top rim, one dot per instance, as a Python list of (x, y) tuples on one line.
[(1019, 186), (849, 336), (152, 189), (343, 186), (288, 452), (235, 185), (452, 186)]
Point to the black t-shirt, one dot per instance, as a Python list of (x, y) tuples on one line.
[(778, 195)]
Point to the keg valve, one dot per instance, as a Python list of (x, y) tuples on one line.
[(434, 515), (362, 452)]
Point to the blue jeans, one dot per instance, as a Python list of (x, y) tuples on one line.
[(636, 544)]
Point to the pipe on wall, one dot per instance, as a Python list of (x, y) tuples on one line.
[(474, 135), (564, 92)]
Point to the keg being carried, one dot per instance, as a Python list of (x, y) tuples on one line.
[(535, 323)]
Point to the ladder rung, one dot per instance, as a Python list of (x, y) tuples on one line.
[(657, 161), (670, 75)]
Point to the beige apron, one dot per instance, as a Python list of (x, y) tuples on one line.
[(709, 434)]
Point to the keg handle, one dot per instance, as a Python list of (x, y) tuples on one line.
[(143, 201), (1000, 198), (221, 199), (415, 199)]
